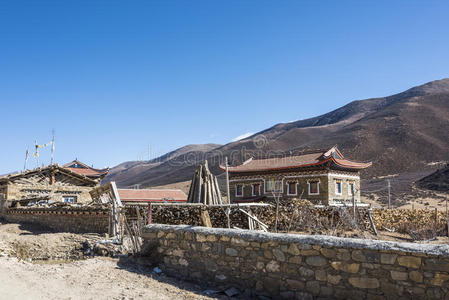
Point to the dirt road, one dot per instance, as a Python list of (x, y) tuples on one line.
[(96, 278), (23, 275)]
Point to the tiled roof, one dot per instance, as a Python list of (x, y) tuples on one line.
[(298, 161), (152, 195), (86, 170)]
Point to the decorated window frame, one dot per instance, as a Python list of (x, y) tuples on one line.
[(309, 185), (338, 184), (258, 189), (351, 188), (237, 194), (289, 193)]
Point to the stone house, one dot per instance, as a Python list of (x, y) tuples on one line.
[(51, 183), (322, 177)]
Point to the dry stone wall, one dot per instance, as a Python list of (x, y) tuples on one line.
[(285, 266), (76, 220)]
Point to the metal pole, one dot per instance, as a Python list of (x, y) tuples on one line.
[(389, 195)]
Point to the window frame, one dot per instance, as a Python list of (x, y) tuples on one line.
[(318, 182), (236, 190), (351, 192), (252, 189), (288, 188), (336, 183)]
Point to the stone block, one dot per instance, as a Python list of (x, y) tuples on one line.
[(395, 275), (439, 279), (279, 255), (333, 279), (328, 253), (295, 284), (364, 282), (320, 275), (293, 249), (409, 261), (357, 255), (316, 261), (345, 267), (415, 276), (387, 258), (231, 252), (273, 266)]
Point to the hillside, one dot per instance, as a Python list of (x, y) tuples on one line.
[(437, 181), (133, 172), (399, 133)]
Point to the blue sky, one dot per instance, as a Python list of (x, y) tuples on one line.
[(111, 77)]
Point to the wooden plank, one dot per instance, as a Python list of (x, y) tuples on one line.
[(205, 218)]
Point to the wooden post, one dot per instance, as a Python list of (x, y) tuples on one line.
[(228, 211), (150, 215), (373, 226)]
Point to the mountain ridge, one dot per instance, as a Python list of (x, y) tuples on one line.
[(394, 132)]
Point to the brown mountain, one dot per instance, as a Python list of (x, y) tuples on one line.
[(400, 133), (437, 181)]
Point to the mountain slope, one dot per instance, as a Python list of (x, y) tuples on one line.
[(135, 172), (398, 133)]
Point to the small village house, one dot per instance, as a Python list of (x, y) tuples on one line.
[(322, 177), (53, 183)]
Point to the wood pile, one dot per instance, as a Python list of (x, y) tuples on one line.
[(394, 219), (204, 187)]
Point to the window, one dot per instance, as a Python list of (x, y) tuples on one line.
[(69, 199), (256, 189), (314, 187), (239, 190), (351, 189), (273, 185), (338, 187), (291, 188)]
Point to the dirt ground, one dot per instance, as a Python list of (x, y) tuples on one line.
[(38, 264), (95, 278)]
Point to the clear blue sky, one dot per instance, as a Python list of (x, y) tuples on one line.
[(113, 76)]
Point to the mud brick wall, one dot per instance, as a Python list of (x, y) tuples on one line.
[(73, 220), (286, 266)]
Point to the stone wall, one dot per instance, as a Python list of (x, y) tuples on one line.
[(76, 220), (301, 266)]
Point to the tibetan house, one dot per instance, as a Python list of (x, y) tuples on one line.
[(322, 177), (83, 169), (48, 184)]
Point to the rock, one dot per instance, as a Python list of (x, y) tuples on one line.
[(364, 282), (409, 261), (333, 279), (316, 261), (388, 259), (231, 252), (415, 276), (345, 267), (395, 275), (280, 256), (439, 279), (273, 266), (231, 292), (295, 284)]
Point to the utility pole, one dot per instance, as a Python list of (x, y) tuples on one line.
[(389, 194), (228, 212)]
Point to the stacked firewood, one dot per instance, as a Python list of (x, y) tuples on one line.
[(204, 187)]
